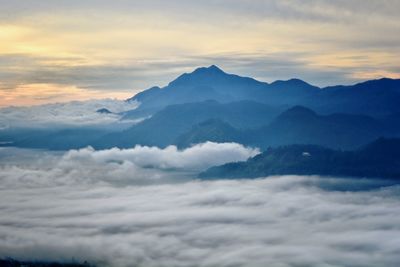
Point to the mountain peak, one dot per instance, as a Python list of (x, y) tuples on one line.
[(213, 69), (297, 112), (294, 82), (200, 75), (104, 111)]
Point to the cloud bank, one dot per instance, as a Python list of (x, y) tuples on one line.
[(75, 113), (279, 221), (135, 166), (142, 207)]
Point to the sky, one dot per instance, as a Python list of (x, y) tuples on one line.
[(57, 51)]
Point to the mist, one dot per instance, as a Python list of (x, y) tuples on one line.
[(71, 114), (74, 206)]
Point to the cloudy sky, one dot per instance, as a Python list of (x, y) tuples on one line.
[(69, 49)]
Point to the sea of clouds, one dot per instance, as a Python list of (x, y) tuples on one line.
[(144, 207), (133, 166), (75, 113)]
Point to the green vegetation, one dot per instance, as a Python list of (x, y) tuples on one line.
[(380, 159)]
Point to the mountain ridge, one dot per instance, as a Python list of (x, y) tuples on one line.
[(367, 161), (337, 117), (212, 83), (296, 125)]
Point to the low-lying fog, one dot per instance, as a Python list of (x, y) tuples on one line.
[(143, 207)]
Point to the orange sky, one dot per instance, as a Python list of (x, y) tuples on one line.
[(64, 50)]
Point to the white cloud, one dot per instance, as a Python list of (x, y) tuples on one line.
[(280, 221), (138, 165), (75, 113), (110, 208), (196, 157)]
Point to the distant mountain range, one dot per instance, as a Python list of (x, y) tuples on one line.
[(379, 159), (374, 98), (245, 122), (211, 105), (297, 125), (167, 125)]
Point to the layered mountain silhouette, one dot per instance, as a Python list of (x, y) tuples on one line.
[(297, 125), (374, 98), (214, 130), (245, 122), (380, 158), (164, 127), (53, 139), (211, 105), (202, 84)]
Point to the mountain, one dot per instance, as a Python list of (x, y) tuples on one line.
[(297, 125), (212, 83), (164, 127), (63, 139), (300, 125), (392, 122), (214, 130), (15, 136), (103, 111), (239, 109), (380, 159), (376, 98), (246, 122)]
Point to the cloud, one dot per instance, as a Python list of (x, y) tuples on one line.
[(279, 221), (319, 10), (75, 113), (194, 158), (138, 165), (119, 75), (128, 46), (39, 81), (142, 207)]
